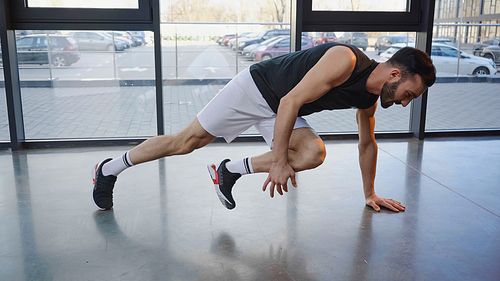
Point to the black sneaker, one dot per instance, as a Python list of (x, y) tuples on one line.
[(102, 187), (223, 182)]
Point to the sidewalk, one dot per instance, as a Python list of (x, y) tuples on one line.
[(109, 112)]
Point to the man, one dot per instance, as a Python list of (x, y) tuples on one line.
[(273, 96)]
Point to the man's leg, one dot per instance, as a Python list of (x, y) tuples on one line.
[(306, 151), (183, 142)]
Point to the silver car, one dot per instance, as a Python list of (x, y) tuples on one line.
[(446, 60), (93, 41)]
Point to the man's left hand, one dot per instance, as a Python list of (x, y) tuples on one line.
[(376, 201)]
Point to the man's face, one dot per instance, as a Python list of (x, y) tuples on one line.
[(401, 92)]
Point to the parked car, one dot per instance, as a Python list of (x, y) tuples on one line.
[(248, 52), (445, 59), (324, 37), (492, 52), (226, 40), (446, 41), (61, 51), (120, 43), (479, 46), (33, 49), (261, 37), (139, 36), (358, 39), (95, 41), (232, 41), (221, 39), (278, 48), (149, 36), (23, 32), (384, 42), (124, 35)]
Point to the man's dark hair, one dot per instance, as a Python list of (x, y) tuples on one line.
[(413, 61)]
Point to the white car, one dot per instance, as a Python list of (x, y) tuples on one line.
[(445, 59)]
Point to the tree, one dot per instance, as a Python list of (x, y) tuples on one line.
[(273, 11), (220, 11), (197, 11), (279, 11)]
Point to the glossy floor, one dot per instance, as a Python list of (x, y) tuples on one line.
[(168, 224)]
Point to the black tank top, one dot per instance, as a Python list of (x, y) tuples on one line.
[(276, 77)]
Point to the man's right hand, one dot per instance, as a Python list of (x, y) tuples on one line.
[(278, 177)]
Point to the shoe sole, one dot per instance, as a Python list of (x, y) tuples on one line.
[(212, 170), (94, 176)]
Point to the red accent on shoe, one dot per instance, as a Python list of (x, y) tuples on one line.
[(95, 173), (216, 180)]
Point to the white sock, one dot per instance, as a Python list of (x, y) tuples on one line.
[(117, 165), (243, 166)]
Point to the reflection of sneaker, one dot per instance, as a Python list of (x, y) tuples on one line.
[(102, 187), (223, 182)]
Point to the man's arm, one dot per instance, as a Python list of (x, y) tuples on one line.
[(333, 69), (368, 160)]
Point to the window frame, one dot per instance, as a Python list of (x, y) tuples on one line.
[(25, 18), (352, 21)]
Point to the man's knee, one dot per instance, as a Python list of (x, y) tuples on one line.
[(308, 149), (310, 154), (192, 137), (315, 153), (188, 143)]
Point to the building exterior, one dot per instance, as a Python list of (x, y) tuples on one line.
[(467, 22)]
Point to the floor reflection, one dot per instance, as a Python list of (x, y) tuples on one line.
[(363, 250), (222, 261), (276, 263), (34, 263), (171, 227), (128, 255)]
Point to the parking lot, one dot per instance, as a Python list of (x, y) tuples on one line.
[(181, 60), (109, 112), (90, 112)]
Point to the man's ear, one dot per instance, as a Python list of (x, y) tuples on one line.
[(395, 75)]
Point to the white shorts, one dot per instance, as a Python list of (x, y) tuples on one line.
[(237, 107)]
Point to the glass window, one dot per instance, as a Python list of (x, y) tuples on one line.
[(4, 123), (361, 5), (465, 95), (94, 4), (358, 39), (92, 85), (79, 35), (199, 57), (394, 119), (25, 42), (284, 43), (198, 60), (225, 11), (448, 52)]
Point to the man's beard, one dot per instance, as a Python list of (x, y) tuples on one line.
[(388, 93)]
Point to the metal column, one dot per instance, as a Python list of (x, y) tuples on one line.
[(424, 40), (11, 76), (296, 25), (155, 10)]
